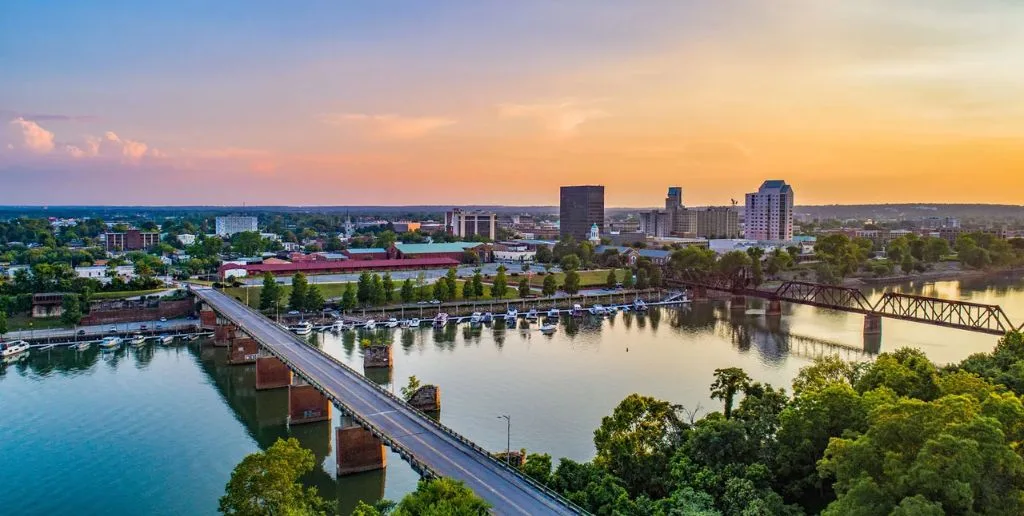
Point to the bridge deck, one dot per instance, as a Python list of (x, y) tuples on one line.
[(421, 440)]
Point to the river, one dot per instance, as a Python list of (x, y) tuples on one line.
[(158, 430)]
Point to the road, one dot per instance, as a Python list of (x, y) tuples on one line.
[(441, 452)]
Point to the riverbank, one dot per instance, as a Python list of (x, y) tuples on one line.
[(941, 275)]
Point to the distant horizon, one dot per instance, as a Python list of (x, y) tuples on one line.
[(474, 206)]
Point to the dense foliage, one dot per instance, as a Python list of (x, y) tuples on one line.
[(895, 436)]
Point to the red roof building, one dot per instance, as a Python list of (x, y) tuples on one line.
[(338, 267)]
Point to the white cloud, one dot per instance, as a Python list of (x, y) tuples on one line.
[(560, 119), (31, 136), (389, 125)]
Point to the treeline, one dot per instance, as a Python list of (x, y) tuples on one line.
[(16, 294), (895, 436)]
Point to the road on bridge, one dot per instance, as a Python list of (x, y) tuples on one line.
[(441, 452)]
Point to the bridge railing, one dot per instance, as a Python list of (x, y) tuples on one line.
[(406, 453)]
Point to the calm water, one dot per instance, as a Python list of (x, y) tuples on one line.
[(157, 431)]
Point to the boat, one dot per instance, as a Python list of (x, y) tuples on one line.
[(370, 325), (548, 329), (577, 311), (10, 349), (597, 310), (440, 320), (639, 305), (79, 346), (414, 322), (166, 340), (137, 339), (338, 325), (553, 313), (511, 315), (404, 323), (531, 315), (302, 328), (109, 343), (476, 318)]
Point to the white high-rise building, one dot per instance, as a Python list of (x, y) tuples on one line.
[(227, 226), (769, 212)]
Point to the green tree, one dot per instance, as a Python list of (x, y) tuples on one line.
[(524, 288), (297, 298), (935, 248), (410, 388), (693, 258), (314, 299), (389, 288), (270, 294), (247, 243), (641, 278), (478, 284), (364, 291), (377, 294), (728, 382), (906, 371), (499, 288), (572, 281), (611, 281), (442, 496), (268, 483), (72, 310), (451, 277), (636, 442), (334, 245), (441, 292), (627, 278), (550, 285), (538, 467), (756, 272), (733, 262), (570, 262), (544, 254), (408, 292), (3, 322), (349, 297)]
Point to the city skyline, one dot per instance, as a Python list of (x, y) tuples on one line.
[(191, 104)]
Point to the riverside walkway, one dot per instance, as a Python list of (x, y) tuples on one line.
[(431, 448)]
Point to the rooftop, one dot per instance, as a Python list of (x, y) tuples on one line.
[(449, 247)]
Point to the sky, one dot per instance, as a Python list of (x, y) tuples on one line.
[(449, 102)]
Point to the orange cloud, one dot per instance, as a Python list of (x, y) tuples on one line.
[(389, 126)]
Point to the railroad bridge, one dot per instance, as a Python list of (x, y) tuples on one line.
[(317, 382), (962, 315)]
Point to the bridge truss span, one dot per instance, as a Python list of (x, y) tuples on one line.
[(826, 296), (964, 315)]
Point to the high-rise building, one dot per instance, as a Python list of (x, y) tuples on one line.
[(466, 224), (768, 214), (580, 207), (674, 199), (717, 222), (131, 240), (227, 226), (656, 223)]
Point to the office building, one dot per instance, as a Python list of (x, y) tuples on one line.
[(768, 214), (131, 240), (717, 222), (227, 226), (656, 223), (466, 224), (580, 207)]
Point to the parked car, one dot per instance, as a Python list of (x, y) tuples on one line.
[(112, 329), (143, 327), (435, 302), (293, 312), (163, 319), (81, 332)]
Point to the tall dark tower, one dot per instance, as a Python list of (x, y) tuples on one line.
[(580, 207)]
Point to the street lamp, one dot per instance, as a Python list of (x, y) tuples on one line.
[(508, 439)]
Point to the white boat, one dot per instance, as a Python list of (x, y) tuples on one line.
[(404, 323), (440, 320), (166, 340), (597, 310), (109, 343), (577, 311), (511, 315), (548, 329), (137, 339), (370, 325), (338, 325), (553, 313), (639, 305), (302, 328), (531, 315), (488, 317), (79, 346), (391, 323), (9, 349), (414, 322), (476, 318)]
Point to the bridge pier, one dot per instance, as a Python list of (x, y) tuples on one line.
[(358, 450), (774, 308), (427, 399), (244, 350), (271, 373), (223, 334), (306, 404), (207, 317), (377, 356), (700, 294), (872, 324), (738, 303)]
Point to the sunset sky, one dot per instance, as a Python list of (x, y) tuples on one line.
[(500, 102)]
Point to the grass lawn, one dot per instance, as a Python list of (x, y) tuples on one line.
[(512, 293), (126, 293), (594, 278), (328, 290), (17, 322)]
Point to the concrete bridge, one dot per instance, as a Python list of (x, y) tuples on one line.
[(317, 381)]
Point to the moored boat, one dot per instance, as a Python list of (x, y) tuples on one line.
[(553, 313), (414, 322), (302, 328), (548, 329), (166, 340), (79, 346), (476, 318), (577, 311), (10, 349), (391, 323), (109, 343), (137, 339), (370, 325), (488, 317), (597, 310), (531, 315), (440, 320)]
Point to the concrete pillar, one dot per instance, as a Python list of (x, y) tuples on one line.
[(223, 334), (738, 303), (358, 450), (244, 350), (774, 307), (272, 373), (306, 404), (377, 356), (427, 399), (700, 294), (207, 317), (872, 324)]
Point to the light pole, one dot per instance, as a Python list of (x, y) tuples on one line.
[(508, 439)]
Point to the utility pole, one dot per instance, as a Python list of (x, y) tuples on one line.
[(508, 439)]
